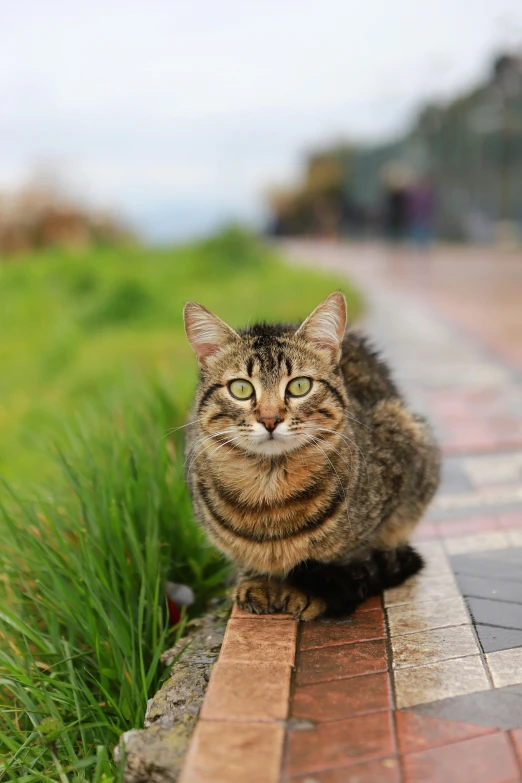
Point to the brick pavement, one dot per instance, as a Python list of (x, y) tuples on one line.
[(424, 686)]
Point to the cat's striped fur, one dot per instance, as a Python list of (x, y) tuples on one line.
[(313, 497)]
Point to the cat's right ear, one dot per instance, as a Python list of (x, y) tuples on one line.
[(206, 333)]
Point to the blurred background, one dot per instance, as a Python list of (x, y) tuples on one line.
[(296, 116)]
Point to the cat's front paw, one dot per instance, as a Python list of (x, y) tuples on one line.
[(264, 596)]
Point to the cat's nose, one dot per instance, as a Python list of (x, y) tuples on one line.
[(269, 423)]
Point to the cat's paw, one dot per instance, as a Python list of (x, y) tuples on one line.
[(263, 596)]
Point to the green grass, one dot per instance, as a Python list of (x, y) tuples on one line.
[(83, 617), (94, 360)]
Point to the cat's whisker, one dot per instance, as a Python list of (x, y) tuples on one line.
[(204, 437), (196, 453), (348, 440), (354, 418), (327, 443), (313, 442), (188, 424), (349, 465), (201, 439), (236, 438), (201, 442), (193, 451)]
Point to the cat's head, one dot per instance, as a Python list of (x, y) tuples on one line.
[(269, 389)]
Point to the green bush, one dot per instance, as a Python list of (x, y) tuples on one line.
[(232, 251), (129, 301)]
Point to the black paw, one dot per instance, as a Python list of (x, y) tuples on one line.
[(397, 565), (342, 587)]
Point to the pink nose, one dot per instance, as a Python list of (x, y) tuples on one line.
[(269, 424)]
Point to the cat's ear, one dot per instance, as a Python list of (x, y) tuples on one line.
[(206, 333), (325, 326)]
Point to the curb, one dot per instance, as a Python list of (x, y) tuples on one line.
[(240, 732)]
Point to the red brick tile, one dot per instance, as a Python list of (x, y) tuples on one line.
[(420, 732), (240, 614), (226, 752), (516, 736), (513, 519), (347, 660), (339, 699), (358, 628), (381, 771), (260, 641), (448, 402), (339, 743), (375, 602), (487, 759), (244, 691)]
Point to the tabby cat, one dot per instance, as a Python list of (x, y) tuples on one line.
[(304, 465)]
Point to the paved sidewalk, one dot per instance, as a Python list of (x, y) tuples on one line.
[(425, 686)]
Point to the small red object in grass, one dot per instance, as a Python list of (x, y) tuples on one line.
[(177, 597), (174, 613)]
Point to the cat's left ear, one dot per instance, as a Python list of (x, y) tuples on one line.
[(325, 326), (206, 333)]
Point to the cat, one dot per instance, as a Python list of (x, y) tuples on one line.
[(304, 465)]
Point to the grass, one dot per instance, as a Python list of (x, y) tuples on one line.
[(83, 618), (93, 357)]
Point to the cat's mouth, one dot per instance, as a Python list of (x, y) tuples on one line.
[(272, 443)]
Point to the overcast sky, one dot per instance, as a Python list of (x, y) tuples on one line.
[(180, 112)]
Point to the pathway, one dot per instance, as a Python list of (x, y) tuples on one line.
[(426, 685)]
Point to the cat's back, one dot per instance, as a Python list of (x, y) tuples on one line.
[(366, 375)]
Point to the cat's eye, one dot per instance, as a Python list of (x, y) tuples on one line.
[(299, 387), (241, 390)]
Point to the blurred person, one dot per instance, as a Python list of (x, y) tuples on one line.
[(396, 201), (396, 213), (421, 212)]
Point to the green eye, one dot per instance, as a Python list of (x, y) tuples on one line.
[(299, 387), (241, 390)]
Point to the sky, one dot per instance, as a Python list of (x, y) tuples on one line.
[(181, 114)]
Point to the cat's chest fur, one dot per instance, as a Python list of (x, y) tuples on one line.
[(270, 515), (264, 483)]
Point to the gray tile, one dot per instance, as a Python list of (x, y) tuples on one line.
[(454, 477), (494, 589), (498, 613), (511, 555), (493, 639), (481, 564), (499, 708)]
